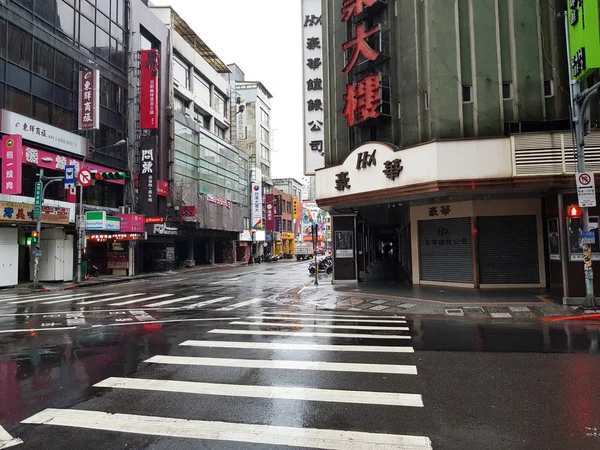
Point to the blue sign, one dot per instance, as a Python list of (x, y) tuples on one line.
[(69, 176), (588, 237)]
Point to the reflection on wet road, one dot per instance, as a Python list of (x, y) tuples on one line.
[(239, 366)]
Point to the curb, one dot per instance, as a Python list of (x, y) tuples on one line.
[(102, 283)]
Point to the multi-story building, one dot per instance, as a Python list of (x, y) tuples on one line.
[(209, 192), (44, 45), (280, 221), (446, 133)]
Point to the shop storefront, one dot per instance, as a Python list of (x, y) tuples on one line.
[(159, 250)]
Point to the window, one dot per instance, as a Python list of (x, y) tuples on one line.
[(246, 223), (549, 88), (145, 43), (289, 207), (426, 99), (264, 135), (202, 88), (18, 101), (102, 44), (264, 152), (220, 104), (2, 37), (264, 117), (507, 90), (63, 70), (42, 110), (19, 49), (220, 131), (467, 94), (65, 19), (265, 170), (179, 104), (180, 72), (86, 34), (62, 118)]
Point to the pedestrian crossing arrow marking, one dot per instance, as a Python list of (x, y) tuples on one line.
[(6, 440)]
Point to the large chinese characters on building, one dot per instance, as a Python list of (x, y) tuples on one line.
[(363, 95), (314, 135), (89, 100)]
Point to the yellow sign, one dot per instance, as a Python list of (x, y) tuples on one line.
[(295, 207), (287, 235), (23, 213)]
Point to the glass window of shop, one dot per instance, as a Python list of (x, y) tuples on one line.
[(181, 72), (220, 104), (202, 88)]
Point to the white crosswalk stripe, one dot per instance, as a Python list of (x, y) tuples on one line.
[(79, 298), (177, 300), (312, 325), (227, 431), (208, 302), (325, 320), (140, 300), (353, 361), (240, 305), (9, 298), (112, 298), (306, 334), (298, 347), (284, 364), (50, 297), (282, 392)]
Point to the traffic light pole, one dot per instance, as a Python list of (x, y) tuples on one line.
[(580, 105), (36, 255)]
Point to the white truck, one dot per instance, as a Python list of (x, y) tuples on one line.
[(304, 250)]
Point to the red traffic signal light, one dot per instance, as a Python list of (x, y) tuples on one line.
[(574, 212)]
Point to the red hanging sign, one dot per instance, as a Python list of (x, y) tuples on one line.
[(270, 212), (12, 164), (149, 89), (89, 100)]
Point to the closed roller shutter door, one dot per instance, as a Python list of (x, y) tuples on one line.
[(445, 250), (508, 250)]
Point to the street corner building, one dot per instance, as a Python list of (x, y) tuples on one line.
[(446, 141)]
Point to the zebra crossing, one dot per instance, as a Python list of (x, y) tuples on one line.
[(266, 370)]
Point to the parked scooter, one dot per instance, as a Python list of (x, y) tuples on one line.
[(325, 266)]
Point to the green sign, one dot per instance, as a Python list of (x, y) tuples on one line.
[(37, 205), (584, 37)]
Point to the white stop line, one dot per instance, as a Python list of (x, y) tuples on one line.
[(6, 440)]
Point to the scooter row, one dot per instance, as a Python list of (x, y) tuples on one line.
[(325, 265)]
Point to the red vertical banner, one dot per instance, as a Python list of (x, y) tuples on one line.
[(270, 212), (149, 89), (89, 100), (12, 164)]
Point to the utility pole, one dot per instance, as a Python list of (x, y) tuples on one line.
[(36, 251), (315, 233)]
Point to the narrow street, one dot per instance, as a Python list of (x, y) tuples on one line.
[(237, 360)]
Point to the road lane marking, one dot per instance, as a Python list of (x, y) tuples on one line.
[(228, 431), (113, 298), (163, 321), (6, 440), (317, 315), (94, 311), (28, 330), (324, 319), (177, 300), (139, 300), (300, 347), (52, 297), (241, 304), (312, 325), (285, 364), (85, 296), (281, 392), (306, 334), (208, 302), (29, 296)]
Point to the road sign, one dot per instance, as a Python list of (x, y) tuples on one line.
[(37, 205), (588, 237), (586, 189), (69, 177), (85, 177)]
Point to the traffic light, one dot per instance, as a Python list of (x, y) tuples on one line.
[(110, 175), (574, 212), (34, 237)]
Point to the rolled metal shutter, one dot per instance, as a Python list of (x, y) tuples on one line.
[(445, 250), (508, 250)]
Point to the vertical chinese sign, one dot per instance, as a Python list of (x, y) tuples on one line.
[(270, 213), (312, 57), (148, 179), (240, 119), (257, 214), (363, 98), (149, 89), (11, 151), (89, 100)]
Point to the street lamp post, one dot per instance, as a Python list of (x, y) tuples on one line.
[(81, 230)]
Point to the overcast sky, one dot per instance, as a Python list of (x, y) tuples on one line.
[(264, 38)]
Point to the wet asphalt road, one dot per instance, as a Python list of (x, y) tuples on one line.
[(185, 375)]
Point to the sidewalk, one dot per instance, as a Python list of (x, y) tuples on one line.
[(24, 288)]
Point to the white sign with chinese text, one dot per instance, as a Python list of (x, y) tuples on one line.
[(240, 119), (586, 189), (312, 62), (42, 133)]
